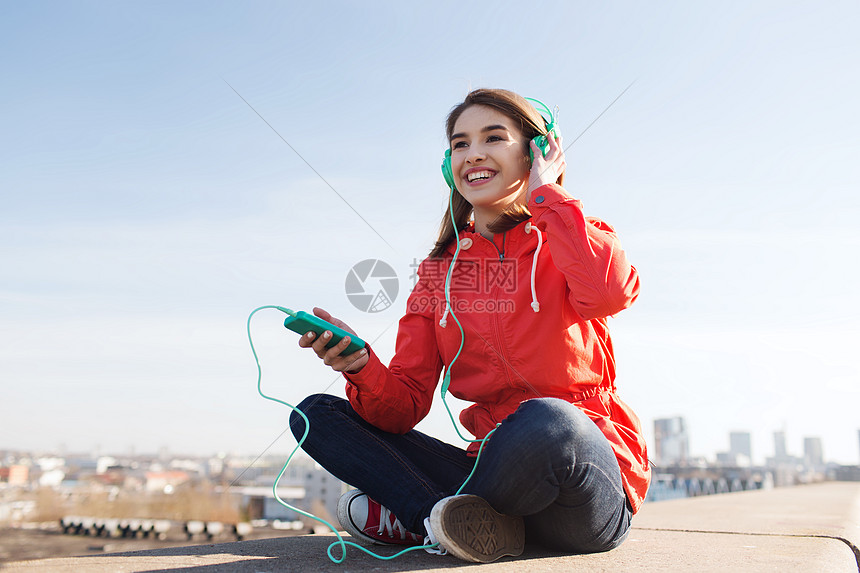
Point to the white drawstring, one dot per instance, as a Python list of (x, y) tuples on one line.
[(444, 322), (529, 227)]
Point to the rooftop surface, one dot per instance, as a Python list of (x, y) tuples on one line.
[(802, 528)]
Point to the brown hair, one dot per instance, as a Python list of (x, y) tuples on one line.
[(530, 123)]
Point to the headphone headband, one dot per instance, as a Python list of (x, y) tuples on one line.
[(545, 112)]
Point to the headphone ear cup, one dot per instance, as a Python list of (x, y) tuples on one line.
[(542, 144), (447, 172), (541, 141)]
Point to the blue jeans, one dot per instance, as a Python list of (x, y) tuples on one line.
[(547, 462)]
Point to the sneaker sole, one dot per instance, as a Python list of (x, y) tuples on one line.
[(470, 529)]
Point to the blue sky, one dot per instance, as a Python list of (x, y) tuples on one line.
[(146, 209)]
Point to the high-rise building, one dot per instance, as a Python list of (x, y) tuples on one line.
[(671, 441), (740, 444), (813, 452), (779, 453)]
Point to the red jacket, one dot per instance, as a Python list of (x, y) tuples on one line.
[(510, 352)]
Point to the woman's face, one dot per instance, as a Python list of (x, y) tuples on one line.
[(488, 159)]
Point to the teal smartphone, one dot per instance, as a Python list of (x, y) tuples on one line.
[(304, 322)]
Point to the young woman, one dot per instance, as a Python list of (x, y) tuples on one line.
[(532, 286)]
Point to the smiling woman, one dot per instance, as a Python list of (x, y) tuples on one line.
[(565, 460), (511, 122)]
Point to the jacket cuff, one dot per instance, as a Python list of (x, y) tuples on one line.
[(369, 373)]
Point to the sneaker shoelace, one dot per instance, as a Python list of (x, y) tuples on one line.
[(431, 541), (388, 526)]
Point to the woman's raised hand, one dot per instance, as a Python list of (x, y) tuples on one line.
[(331, 356), (546, 169)]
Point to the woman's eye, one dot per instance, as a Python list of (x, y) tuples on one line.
[(494, 138), (459, 144)]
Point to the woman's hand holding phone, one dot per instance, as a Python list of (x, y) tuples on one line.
[(331, 356), (546, 169)]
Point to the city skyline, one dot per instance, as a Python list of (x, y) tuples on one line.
[(671, 446), (148, 209), (780, 449)]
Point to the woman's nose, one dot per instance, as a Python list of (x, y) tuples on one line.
[(475, 155)]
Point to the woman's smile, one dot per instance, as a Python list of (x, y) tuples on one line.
[(478, 176)]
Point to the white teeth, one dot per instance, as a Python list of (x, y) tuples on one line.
[(475, 175)]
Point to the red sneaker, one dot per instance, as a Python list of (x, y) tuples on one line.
[(368, 521)]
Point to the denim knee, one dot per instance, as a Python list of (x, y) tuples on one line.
[(561, 428), (556, 417), (313, 407)]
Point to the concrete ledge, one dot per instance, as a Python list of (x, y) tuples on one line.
[(805, 528)]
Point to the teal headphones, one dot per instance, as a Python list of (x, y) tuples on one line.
[(540, 141)]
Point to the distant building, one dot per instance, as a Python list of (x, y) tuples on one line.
[(813, 452), (313, 488), (779, 451), (323, 487), (165, 481), (49, 463), (786, 468), (215, 466), (781, 457), (847, 473), (52, 478), (19, 475), (672, 445), (740, 451), (740, 444), (104, 463)]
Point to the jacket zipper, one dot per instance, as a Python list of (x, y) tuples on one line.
[(502, 252), (494, 317)]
